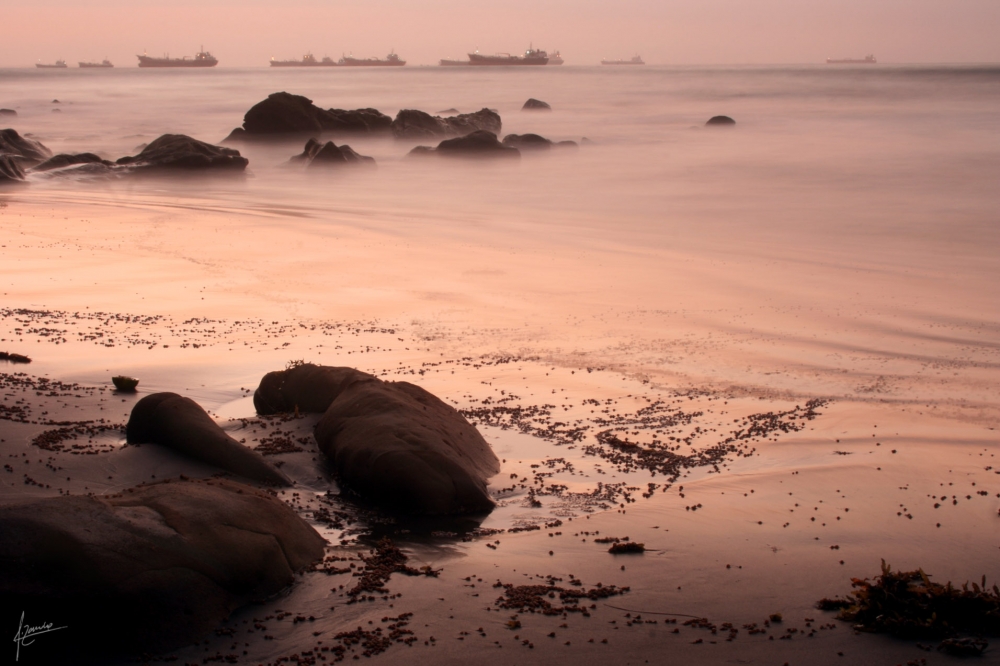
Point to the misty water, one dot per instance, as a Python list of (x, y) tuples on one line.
[(839, 243)]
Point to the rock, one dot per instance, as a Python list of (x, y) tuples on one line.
[(286, 114), (56, 110), (181, 424), (536, 105), (8, 112), (527, 142), (316, 154), (720, 120), (452, 110), (178, 152), (62, 161), (414, 124), (392, 443), (10, 170), (148, 570), (312, 147), (478, 144), (55, 101), (26, 151), (305, 387)]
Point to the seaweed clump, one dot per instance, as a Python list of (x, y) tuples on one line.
[(627, 547), (907, 604)]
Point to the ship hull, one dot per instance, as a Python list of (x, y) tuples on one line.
[(454, 63), (478, 60), (94, 65), (41, 66), (146, 61)]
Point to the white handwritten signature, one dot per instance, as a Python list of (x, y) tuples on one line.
[(26, 634)]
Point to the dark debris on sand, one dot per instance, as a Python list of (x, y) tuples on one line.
[(536, 598)]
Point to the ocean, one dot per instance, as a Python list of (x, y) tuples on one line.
[(837, 247)]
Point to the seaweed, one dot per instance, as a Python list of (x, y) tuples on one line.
[(14, 358), (627, 547), (907, 604)]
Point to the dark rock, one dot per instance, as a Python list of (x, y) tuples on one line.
[(286, 114), (448, 111), (527, 142), (573, 145), (26, 151), (55, 101), (181, 424), (56, 110), (64, 160), (176, 152), (414, 124), (305, 387), (8, 112), (536, 105), (392, 443), (478, 144), (312, 147), (720, 120), (10, 170), (332, 155), (151, 569)]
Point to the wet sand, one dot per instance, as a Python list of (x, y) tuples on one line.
[(823, 396)]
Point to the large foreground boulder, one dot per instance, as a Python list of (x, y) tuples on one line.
[(479, 144), (414, 124), (285, 114), (151, 569), (10, 170), (26, 151), (180, 424), (179, 152), (392, 443)]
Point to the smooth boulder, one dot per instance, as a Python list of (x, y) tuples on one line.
[(8, 112), (179, 152), (151, 569), (180, 424), (479, 144), (26, 151), (318, 154), (536, 105), (414, 124), (285, 114), (392, 443), (720, 121), (64, 160)]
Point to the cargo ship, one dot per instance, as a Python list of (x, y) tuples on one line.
[(59, 64), (201, 59), (867, 60), (531, 57), (555, 59), (634, 60), (104, 63), (450, 62), (308, 60), (391, 60)]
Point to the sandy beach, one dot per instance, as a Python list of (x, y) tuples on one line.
[(821, 349)]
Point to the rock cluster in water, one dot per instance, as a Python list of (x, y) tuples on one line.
[(392, 443), (318, 154), (414, 124), (479, 144), (535, 142), (283, 113)]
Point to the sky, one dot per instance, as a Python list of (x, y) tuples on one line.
[(248, 33)]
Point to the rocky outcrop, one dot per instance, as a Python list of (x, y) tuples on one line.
[(63, 160), (10, 170), (414, 124), (720, 121), (284, 114), (180, 424), (479, 144), (392, 443), (24, 150), (178, 152), (8, 112), (151, 569), (536, 105), (535, 142), (317, 154)]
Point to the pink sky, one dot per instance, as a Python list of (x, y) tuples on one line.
[(249, 32)]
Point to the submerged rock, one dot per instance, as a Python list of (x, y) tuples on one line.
[(63, 160), (151, 569), (720, 120), (179, 152), (316, 154), (392, 443), (414, 124), (536, 105), (478, 144), (181, 424), (8, 112), (285, 114), (25, 151), (10, 170)]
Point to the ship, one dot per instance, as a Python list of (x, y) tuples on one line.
[(104, 63), (201, 59), (555, 59), (449, 62), (391, 60), (531, 57), (59, 64), (308, 60), (867, 60), (634, 60)]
